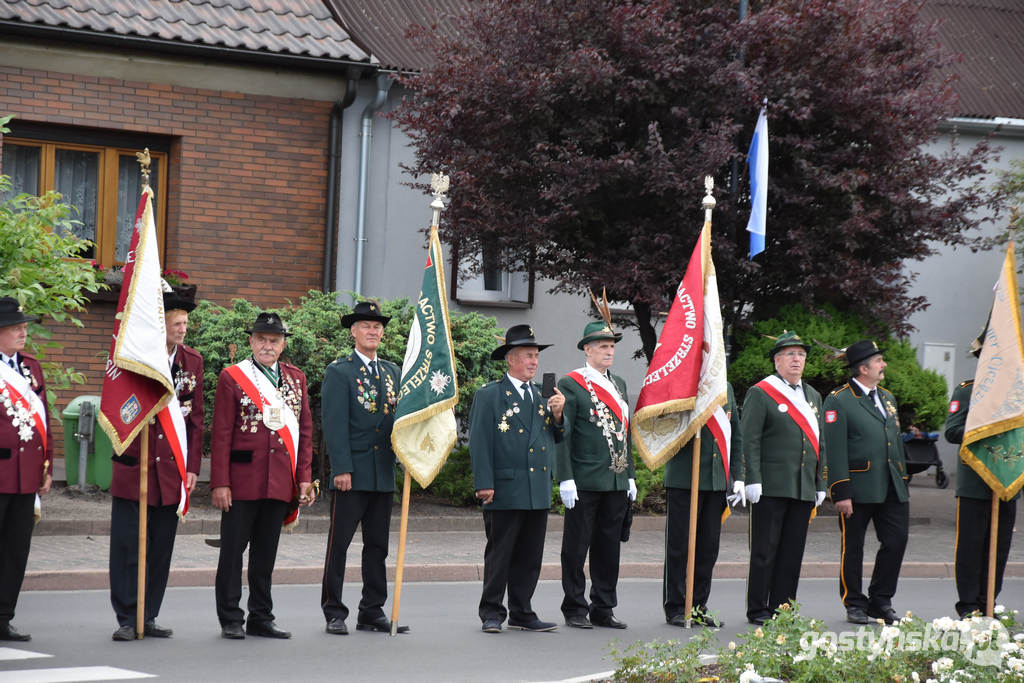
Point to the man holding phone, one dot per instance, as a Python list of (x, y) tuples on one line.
[(596, 480)]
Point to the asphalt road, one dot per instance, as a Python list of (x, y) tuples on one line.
[(71, 633)]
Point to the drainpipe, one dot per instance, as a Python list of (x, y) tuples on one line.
[(383, 86), (334, 177)]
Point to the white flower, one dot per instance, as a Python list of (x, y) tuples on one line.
[(943, 624), (732, 644), (1015, 664), (1018, 636), (915, 677), (889, 633), (942, 664), (999, 609), (749, 675)]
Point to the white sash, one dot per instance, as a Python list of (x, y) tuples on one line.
[(11, 376), (605, 383), (798, 399), (272, 397)]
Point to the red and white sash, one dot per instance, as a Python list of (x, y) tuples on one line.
[(800, 412), (172, 422), (263, 394), (720, 428), (24, 398), (605, 391)]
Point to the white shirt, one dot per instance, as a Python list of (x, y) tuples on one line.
[(867, 392), (7, 359), (366, 360), (520, 385)]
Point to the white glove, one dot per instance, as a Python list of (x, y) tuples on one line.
[(753, 492), (631, 493), (818, 498), (567, 490), (739, 494)]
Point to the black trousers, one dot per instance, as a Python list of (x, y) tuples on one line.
[(17, 519), (891, 520), (512, 560), (371, 510), (256, 524), (710, 505), (593, 525), (778, 532), (161, 528), (973, 520)]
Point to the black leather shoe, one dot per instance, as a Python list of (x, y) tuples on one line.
[(380, 625), (124, 633), (608, 622), (536, 625), (756, 621), (337, 627), (155, 630), (886, 614), (8, 632), (266, 629), (677, 620), (856, 615), (232, 631), (578, 621), (491, 626)]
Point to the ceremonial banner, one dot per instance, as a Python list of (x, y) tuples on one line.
[(137, 383), (993, 444), (425, 428), (757, 160), (685, 383)]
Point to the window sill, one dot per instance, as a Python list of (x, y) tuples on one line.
[(484, 303)]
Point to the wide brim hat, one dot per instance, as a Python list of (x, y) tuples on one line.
[(598, 331), (858, 352), (365, 310), (12, 313), (517, 335), (785, 340), (175, 302), (269, 322)]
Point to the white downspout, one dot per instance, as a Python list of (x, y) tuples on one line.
[(366, 131)]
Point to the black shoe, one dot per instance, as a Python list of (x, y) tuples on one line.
[(380, 625), (155, 630), (578, 621), (886, 614), (491, 626), (337, 627), (703, 618), (856, 615), (677, 620), (124, 633), (756, 621), (266, 629), (232, 631), (8, 632), (608, 622), (536, 625)]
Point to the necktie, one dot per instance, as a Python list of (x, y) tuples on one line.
[(874, 400), (527, 395), (373, 368), (10, 361)]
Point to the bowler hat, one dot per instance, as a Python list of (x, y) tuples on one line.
[(175, 302), (598, 330), (269, 322), (517, 335), (858, 352), (364, 310), (11, 313), (785, 339)]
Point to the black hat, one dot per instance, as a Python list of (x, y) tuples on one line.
[(858, 352), (517, 335), (364, 310), (175, 302), (787, 339), (269, 322), (11, 313)]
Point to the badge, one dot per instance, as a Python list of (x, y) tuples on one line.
[(273, 418), (830, 416), (954, 406), (783, 408)]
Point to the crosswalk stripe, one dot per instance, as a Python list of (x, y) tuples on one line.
[(11, 654), (71, 675)]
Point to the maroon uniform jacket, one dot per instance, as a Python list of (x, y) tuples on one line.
[(24, 464), (164, 478), (247, 456)]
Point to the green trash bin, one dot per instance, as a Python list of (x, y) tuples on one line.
[(99, 468)]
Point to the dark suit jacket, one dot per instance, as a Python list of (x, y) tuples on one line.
[(358, 439), (247, 456), (164, 478), (678, 470), (583, 454), (968, 483), (865, 450), (512, 452), (24, 464)]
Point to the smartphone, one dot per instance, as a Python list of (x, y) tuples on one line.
[(547, 387)]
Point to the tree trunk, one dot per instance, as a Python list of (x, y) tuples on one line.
[(648, 337)]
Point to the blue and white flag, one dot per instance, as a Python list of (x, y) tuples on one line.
[(757, 160)]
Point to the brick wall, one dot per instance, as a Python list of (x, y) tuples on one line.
[(246, 187)]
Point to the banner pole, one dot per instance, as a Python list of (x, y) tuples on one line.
[(140, 605), (993, 542), (691, 545), (403, 527)]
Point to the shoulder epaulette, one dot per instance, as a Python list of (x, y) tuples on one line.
[(839, 390), (967, 383)]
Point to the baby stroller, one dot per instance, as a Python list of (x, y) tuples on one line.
[(921, 453)]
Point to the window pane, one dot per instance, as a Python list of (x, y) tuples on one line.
[(21, 163), (129, 189), (76, 177), (489, 268)]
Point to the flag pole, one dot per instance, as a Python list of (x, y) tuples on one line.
[(403, 527), (140, 602), (691, 545), (993, 542)]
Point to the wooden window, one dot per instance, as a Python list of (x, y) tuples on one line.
[(102, 183), (491, 286)]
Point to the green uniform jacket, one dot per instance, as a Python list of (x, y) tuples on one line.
[(865, 450), (968, 483), (776, 452), (583, 454), (512, 452), (712, 469), (356, 425)]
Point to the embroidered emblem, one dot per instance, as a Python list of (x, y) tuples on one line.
[(438, 381), (830, 416), (954, 406), (130, 410)]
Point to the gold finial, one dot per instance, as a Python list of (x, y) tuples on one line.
[(439, 188), (144, 161)]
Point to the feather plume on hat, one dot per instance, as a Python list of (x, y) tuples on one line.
[(602, 307)]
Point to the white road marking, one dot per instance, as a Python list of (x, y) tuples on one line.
[(9, 654), (71, 675)]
